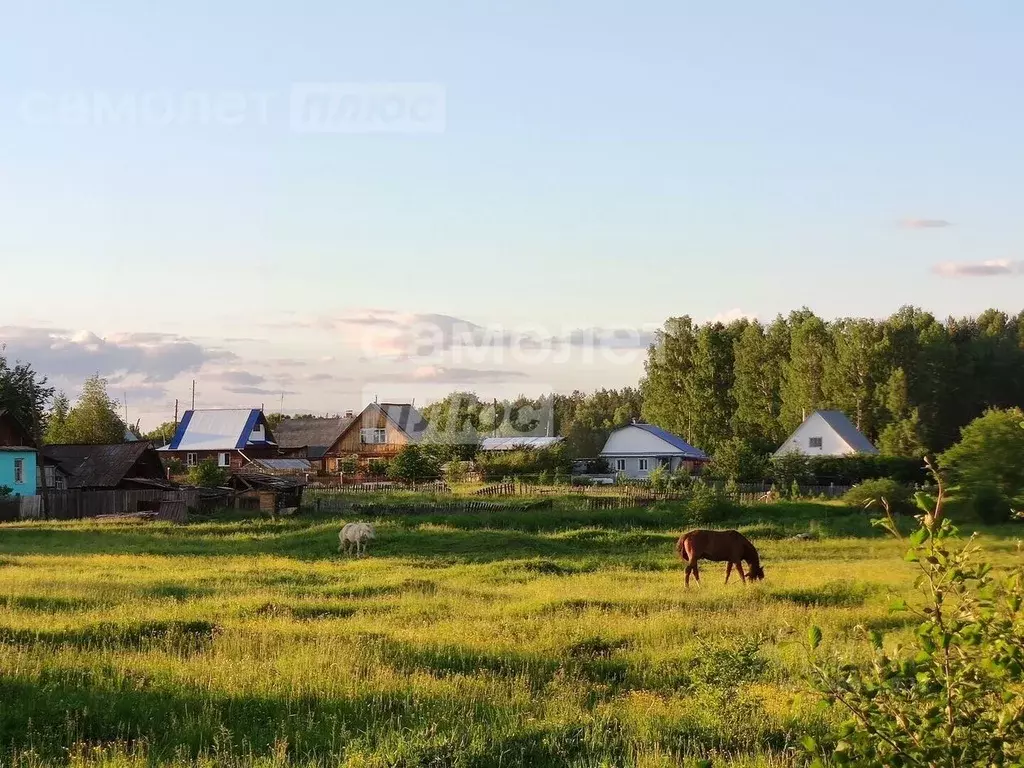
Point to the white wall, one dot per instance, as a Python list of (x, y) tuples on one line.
[(637, 441), (831, 443)]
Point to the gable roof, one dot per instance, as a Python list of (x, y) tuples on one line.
[(405, 417), (843, 427), (224, 429), (105, 466), (678, 446), (674, 440), (22, 437), (317, 435)]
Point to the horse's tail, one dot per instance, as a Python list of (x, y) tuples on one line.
[(681, 549)]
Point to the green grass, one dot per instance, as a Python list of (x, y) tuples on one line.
[(534, 638)]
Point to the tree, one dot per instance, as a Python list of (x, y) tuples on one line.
[(412, 464), (666, 395), (56, 422), (24, 393), (757, 382), (93, 419), (206, 474), (989, 452), (162, 434), (789, 469), (854, 370), (736, 459), (708, 386), (804, 372)]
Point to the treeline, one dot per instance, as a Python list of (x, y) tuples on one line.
[(585, 420), (909, 382)]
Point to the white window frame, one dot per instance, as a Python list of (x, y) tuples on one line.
[(223, 458), (60, 483), (643, 465), (373, 436), (50, 476), (19, 471), (620, 465), (191, 460), (815, 442)]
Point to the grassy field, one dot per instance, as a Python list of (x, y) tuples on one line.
[(555, 637)]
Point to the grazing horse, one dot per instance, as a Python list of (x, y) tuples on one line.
[(353, 537), (731, 547)]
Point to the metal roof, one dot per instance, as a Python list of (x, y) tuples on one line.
[(283, 465), (843, 427), (684, 448), (514, 443), (225, 429)]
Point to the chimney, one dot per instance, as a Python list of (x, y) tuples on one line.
[(349, 414)]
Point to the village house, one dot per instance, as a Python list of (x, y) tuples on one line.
[(232, 437), (636, 449), (827, 433), (17, 456), (311, 438), (379, 432), (118, 466)]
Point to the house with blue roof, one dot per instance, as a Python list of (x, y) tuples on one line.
[(637, 448), (233, 437)]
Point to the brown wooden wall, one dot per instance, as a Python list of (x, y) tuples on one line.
[(349, 443)]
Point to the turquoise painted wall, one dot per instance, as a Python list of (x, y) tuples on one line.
[(28, 487)]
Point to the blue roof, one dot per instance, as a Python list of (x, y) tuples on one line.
[(218, 430), (674, 440)]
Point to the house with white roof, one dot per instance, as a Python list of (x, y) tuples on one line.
[(233, 437), (636, 449), (827, 433)]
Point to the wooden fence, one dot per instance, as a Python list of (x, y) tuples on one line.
[(72, 505), (432, 486)]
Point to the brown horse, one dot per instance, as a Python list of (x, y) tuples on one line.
[(731, 547)]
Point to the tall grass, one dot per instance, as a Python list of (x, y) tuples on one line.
[(555, 637)]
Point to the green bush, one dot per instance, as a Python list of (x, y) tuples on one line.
[(378, 467), (206, 474), (413, 464), (871, 492), (989, 504), (519, 463), (989, 452), (706, 504), (659, 478)]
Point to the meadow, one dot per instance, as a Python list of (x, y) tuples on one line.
[(530, 638)]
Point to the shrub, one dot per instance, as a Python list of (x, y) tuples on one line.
[(377, 467), (706, 504), (544, 478), (955, 697), (989, 451), (791, 467), (659, 477), (5, 491), (412, 464), (989, 504), (737, 459), (175, 466), (871, 493), (206, 474)]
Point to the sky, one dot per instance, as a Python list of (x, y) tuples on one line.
[(309, 205)]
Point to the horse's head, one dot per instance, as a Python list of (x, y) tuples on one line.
[(756, 572)]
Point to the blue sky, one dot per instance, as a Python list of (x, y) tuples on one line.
[(600, 165)]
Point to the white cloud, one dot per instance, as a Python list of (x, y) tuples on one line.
[(925, 224), (979, 268)]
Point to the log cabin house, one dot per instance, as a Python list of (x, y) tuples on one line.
[(379, 432)]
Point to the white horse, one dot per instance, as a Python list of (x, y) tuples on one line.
[(353, 537)]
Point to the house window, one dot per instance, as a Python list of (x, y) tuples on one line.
[(641, 464), (190, 459), (815, 442), (49, 475), (373, 436), (60, 483), (19, 471), (620, 465), (224, 459)]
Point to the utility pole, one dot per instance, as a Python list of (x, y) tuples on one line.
[(175, 414), (193, 394)]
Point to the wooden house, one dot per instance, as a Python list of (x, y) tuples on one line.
[(117, 466), (311, 438), (379, 432), (233, 437), (17, 456)]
